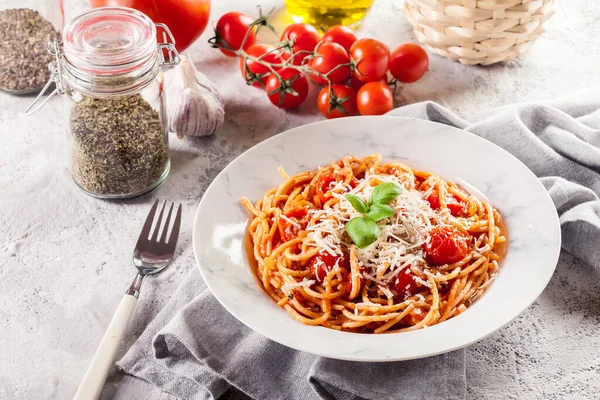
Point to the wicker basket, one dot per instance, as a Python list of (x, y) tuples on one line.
[(478, 31)]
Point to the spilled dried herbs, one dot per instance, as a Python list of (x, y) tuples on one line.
[(119, 145), (23, 56)]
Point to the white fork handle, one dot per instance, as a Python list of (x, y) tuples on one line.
[(96, 374)]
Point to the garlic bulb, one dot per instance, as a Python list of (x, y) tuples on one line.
[(193, 104)]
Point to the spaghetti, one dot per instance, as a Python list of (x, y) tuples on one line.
[(432, 259)]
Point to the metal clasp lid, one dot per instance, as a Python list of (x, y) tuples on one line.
[(55, 77), (168, 45)]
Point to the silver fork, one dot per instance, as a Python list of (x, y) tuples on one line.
[(151, 255)]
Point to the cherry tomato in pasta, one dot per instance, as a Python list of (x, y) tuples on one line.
[(341, 35), (324, 262), (447, 245), (404, 283), (454, 204), (347, 276), (295, 220), (324, 186), (326, 183)]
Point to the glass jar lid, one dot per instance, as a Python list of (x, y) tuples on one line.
[(109, 40)]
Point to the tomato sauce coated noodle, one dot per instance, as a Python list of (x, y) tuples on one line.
[(432, 259)]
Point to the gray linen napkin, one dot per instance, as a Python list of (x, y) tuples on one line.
[(195, 349)]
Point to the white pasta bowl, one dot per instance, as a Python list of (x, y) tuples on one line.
[(529, 214)]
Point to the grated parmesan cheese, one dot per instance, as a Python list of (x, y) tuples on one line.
[(288, 286), (400, 243)]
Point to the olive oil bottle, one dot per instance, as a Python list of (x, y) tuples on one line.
[(325, 13)]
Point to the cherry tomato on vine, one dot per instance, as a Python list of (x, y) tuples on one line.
[(341, 35), (357, 84), (290, 91), (339, 102), (447, 245), (231, 30), (408, 62), (327, 57), (374, 98), (371, 58), (253, 72), (305, 38)]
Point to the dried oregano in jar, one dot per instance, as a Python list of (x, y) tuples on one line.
[(119, 145), (115, 103), (23, 55)]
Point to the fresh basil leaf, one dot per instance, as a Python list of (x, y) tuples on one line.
[(359, 204), (385, 192), (377, 212), (363, 231)]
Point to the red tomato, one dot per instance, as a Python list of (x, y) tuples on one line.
[(305, 38), (374, 98), (288, 230), (404, 283), (186, 19), (324, 185), (230, 31), (446, 246), (326, 182), (408, 62), (347, 277), (328, 56), (291, 92), (357, 84), (455, 206), (323, 263), (340, 102), (453, 203), (371, 58), (341, 35), (256, 72)]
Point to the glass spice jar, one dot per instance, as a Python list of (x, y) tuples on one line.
[(110, 65), (26, 26)]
